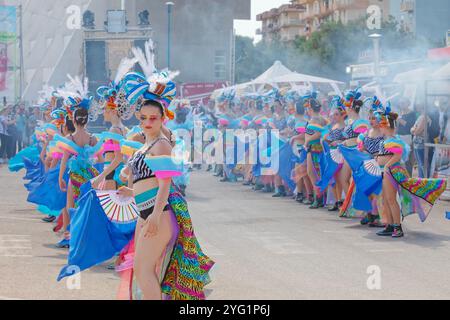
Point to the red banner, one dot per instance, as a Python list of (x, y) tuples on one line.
[(3, 65), (197, 92)]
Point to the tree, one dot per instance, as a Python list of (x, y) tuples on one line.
[(327, 52)]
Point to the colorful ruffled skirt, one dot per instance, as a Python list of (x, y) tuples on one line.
[(185, 269), (316, 151), (417, 195)]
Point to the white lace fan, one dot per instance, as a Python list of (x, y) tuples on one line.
[(118, 209)]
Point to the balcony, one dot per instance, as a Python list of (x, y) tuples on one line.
[(407, 6), (291, 23)]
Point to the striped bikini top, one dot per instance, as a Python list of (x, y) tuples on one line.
[(383, 151), (372, 145), (139, 168), (349, 133), (336, 135)]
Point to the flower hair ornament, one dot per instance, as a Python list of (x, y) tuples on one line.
[(152, 85), (113, 97)]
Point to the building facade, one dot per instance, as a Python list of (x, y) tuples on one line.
[(283, 23), (428, 19), (311, 14), (56, 44)]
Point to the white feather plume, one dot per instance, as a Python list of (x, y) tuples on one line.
[(124, 67), (146, 60), (78, 87)]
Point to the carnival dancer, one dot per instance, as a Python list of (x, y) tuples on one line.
[(304, 185), (332, 170), (370, 143), (79, 149), (354, 127), (49, 200), (115, 108), (168, 261), (417, 195), (313, 145)]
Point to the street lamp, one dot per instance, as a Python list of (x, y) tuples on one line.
[(377, 54), (169, 30)]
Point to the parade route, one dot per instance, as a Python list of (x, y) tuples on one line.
[(264, 249)]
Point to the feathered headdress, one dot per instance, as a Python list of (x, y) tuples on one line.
[(308, 97), (381, 112), (59, 117), (153, 85), (76, 93), (112, 96), (351, 96)]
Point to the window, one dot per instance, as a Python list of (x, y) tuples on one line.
[(220, 65)]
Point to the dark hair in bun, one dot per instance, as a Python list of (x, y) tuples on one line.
[(69, 125), (299, 108), (393, 120), (357, 105), (81, 117), (315, 105)]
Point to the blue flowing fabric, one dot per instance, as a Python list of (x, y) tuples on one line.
[(366, 183), (17, 162), (94, 237), (33, 169), (35, 174), (48, 193), (287, 165), (328, 168)]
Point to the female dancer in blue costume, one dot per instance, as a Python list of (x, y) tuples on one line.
[(313, 146), (280, 121), (417, 195), (78, 152), (53, 203), (355, 126), (370, 143), (332, 171), (304, 185)]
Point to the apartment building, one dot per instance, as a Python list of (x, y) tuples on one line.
[(302, 17)]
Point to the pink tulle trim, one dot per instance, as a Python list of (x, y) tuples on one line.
[(167, 174), (57, 155)]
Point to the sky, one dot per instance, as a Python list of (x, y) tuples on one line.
[(248, 28)]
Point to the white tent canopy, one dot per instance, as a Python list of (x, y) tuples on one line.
[(278, 73), (443, 73), (416, 75), (275, 71), (295, 77)]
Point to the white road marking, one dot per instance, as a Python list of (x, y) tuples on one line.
[(386, 251), (15, 246), (19, 219), (16, 256)]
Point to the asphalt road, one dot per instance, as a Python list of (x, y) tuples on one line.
[(264, 249)]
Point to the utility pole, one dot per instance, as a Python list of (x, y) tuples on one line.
[(169, 31), (21, 75)]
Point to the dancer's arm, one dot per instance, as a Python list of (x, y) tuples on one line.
[(62, 170)]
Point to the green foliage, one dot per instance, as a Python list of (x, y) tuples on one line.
[(328, 51)]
